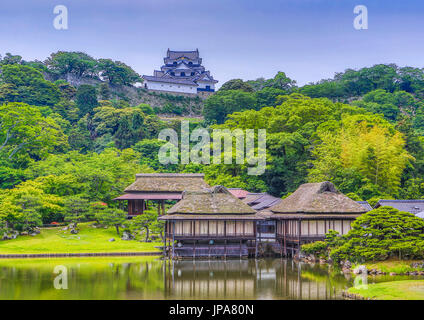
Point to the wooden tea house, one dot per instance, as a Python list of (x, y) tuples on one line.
[(158, 187), (211, 222), (310, 212)]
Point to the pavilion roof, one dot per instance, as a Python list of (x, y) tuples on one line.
[(167, 182), (412, 206), (318, 198), (210, 201), (238, 192)]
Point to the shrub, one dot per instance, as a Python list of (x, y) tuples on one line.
[(317, 248), (376, 235)]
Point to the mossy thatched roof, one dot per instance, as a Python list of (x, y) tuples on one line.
[(210, 201), (318, 198), (167, 182)]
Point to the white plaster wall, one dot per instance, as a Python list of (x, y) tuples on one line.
[(163, 86), (203, 85)]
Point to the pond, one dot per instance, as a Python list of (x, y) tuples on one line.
[(152, 278)]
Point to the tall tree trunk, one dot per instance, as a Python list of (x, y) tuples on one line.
[(147, 234), (117, 229)]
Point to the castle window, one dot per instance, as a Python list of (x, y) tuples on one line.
[(182, 74), (172, 73), (192, 73)]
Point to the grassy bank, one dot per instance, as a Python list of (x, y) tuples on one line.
[(50, 263), (392, 290), (396, 266), (89, 240)]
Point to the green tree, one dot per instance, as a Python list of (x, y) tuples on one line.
[(281, 81), (19, 83), (86, 99), (219, 105), (144, 222), (64, 63), (76, 209), (111, 217), (25, 132), (236, 84), (380, 234), (117, 72)]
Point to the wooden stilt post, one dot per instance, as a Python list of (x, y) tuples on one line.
[(299, 235), (281, 248), (173, 240), (240, 249), (256, 240), (164, 245)]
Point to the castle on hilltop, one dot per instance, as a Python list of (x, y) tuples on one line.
[(182, 73)]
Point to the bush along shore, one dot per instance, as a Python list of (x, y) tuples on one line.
[(392, 267), (381, 241)]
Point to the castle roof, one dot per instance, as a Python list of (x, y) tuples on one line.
[(178, 54), (182, 61)]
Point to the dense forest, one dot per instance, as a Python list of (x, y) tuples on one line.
[(71, 134)]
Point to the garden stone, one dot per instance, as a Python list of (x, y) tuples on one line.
[(127, 236), (360, 270), (111, 239)]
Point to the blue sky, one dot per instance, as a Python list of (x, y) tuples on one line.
[(308, 39)]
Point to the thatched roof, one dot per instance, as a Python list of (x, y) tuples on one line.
[(211, 217), (318, 198), (211, 201), (167, 182)]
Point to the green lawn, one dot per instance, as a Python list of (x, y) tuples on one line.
[(89, 239), (392, 290)]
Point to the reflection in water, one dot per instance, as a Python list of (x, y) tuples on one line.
[(149, 278), (251, 279)]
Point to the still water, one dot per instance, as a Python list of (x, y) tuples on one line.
[(152, 278)]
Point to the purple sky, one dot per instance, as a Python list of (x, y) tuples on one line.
[(308, 39)]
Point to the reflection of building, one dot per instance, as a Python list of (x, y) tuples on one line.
[(211, 279), (250, 279), (211, 223), (182, 73), (158, 187), (310, 212)]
